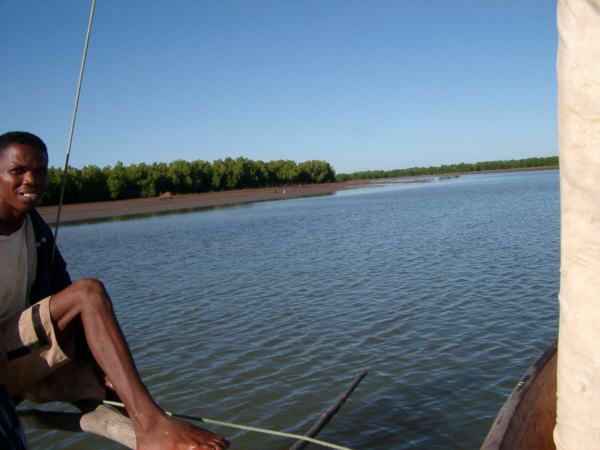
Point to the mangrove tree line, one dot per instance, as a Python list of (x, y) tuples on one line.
[(453, 168), (92, 184)]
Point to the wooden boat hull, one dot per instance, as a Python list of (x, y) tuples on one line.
[(527, 419)]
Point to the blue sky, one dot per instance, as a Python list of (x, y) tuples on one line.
[(361, 84)]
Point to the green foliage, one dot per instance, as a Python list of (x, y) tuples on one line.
[(120, 182), (454, 168), (317, 171), (72, 186), (91, 184), (282, 172)]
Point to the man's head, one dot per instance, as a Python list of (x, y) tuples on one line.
[(23, 177), (24, 138)]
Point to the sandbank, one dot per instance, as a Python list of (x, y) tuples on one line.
[(97, 211)]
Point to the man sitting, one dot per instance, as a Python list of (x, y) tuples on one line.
[(44, 316)]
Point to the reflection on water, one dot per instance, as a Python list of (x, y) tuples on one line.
[(262, 314)]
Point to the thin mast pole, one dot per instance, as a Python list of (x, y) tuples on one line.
[(64, 180)]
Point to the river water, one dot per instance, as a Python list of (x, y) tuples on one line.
[(262, 314)]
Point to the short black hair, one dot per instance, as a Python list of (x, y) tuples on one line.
[(23, 138)]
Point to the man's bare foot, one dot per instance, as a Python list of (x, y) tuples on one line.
[(170, 433)]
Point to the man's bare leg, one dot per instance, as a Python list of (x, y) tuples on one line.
[(86, 303)]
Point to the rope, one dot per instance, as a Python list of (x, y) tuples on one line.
[(246, 428), (64, 180)]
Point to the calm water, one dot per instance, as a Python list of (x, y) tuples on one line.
[(263, 314)]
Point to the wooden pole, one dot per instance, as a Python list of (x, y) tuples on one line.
[(327, 415), (100, 420)]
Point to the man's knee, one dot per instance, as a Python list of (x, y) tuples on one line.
[(83, 295), (91, 294), (84, 298)]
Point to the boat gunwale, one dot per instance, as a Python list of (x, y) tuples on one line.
[(504, 419)]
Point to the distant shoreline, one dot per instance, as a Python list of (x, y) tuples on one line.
[(101, 211)]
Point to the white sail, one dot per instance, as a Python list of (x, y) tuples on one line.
[(578, 70)]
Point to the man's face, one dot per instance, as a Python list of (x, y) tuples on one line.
[(23, 179)]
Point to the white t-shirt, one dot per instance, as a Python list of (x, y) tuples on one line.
[(14, 265)]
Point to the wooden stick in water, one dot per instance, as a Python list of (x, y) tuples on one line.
[(327, 415)]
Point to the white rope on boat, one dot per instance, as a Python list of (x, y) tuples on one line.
[(246, 428)]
